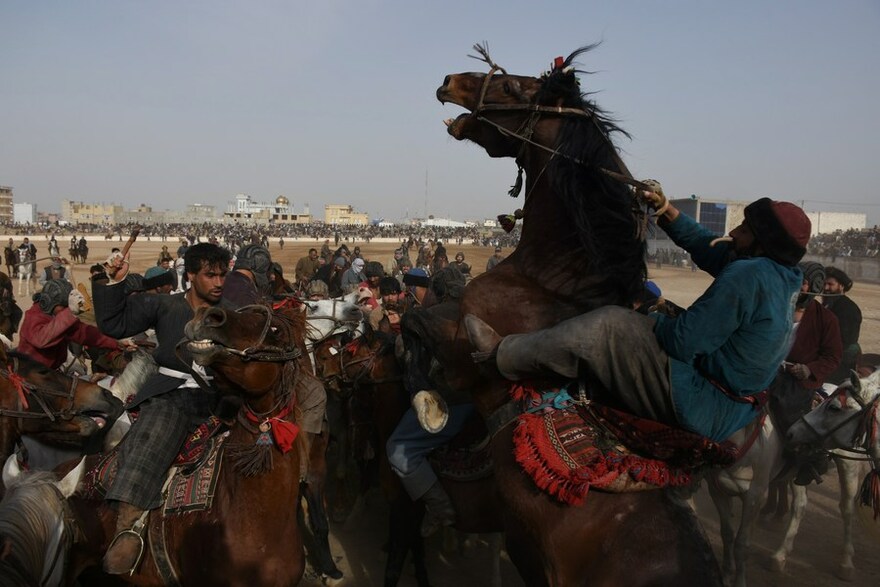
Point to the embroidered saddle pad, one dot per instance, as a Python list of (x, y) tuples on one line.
[(195, 480), (570, 448)]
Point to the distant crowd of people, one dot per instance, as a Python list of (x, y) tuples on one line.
[(846, 243)]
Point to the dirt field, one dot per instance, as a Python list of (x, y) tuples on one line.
[(358, 541)]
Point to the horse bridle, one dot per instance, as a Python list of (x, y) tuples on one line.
[(623, 176), (26, 389), (260, 351), (866, 411)]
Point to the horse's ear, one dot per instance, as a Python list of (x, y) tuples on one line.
[(11, 470), (855, 381), (70, 482)]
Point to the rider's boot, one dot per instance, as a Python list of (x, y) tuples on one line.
[(439, 510), (484, 338), (127, 546)]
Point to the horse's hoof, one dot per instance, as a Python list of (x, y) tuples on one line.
[(845, 573)]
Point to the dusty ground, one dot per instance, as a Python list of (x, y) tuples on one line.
[(358, 541)]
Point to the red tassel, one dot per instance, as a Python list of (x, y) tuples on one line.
[(19, 383), (870, 493), (558, 63), (284, 434)]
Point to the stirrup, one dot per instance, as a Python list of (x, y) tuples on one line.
[(137, 529)]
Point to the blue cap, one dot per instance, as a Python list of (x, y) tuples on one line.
[(652, 287)]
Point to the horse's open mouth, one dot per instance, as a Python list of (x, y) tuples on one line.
[(99, 418), (203, 346), (454, 125), (205, 351)]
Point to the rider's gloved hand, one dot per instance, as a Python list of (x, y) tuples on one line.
[(654, 198)]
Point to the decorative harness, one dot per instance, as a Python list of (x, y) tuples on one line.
[(867, 412)]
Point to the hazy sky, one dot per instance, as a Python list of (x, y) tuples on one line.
[(332, 101)]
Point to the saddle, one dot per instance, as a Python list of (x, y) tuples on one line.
[(194, 476), (569, 446)]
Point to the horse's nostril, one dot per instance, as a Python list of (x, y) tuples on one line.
[(214, 317), (446, 80)]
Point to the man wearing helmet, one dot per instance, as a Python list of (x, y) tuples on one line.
[(249, 282), (49, 326), (705, 369)]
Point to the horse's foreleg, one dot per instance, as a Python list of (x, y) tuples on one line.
[(313, 491), (724, 506), (848, 472), (799, 506), (404, 521), (752, 501)]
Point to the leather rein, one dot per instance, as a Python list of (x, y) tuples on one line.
[(867, 412), (623, 176), (28, 390)]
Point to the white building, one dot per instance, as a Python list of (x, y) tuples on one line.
[(24, 213)]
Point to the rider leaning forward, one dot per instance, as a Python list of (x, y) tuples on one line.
[(701, 369), (171, 405)]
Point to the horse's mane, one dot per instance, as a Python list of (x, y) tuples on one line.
[(601, 209), (135, 374), (28, 515)]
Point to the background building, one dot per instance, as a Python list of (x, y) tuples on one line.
[(244, 209), (338, 214), (24, 213), (83, 213), (6, 213)]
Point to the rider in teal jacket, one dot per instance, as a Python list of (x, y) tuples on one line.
[(699, 369), (733, 335)]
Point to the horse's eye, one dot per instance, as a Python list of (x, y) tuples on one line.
[(273, 329)]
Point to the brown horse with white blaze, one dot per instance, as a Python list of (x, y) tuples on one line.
[(581, 248)]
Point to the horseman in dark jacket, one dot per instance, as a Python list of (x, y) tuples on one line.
[(171, 404)]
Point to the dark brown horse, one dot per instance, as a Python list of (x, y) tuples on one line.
[(10, 313), (580, 249), (49, 406), (250, 537)]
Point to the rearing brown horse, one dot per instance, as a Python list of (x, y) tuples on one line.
[(581, 248)]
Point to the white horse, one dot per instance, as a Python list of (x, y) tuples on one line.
[(25, 270), (748, 479), (324, 318), (849, 419), (34, 530)]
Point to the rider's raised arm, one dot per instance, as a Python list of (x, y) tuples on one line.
[(121, 316)]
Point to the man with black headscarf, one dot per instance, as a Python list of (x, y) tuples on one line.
[(837, 284), (49, 326)]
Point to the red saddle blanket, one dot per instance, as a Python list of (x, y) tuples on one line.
[(568, 450), (194, 482)]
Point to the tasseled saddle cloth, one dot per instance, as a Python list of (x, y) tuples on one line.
[(568, 446)]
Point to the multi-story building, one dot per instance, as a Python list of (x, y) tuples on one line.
[(339, 214), (244, 209), (6, 212), (24, 213), (83, 213)]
